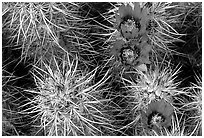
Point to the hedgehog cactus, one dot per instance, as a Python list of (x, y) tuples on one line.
[(155, 84), (67, 101)]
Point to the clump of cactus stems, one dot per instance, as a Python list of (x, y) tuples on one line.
[(68, 102), (153, 24), (104, 74)]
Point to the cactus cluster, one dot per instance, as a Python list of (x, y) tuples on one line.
[(101, 69)]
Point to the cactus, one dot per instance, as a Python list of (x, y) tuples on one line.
[(67, 100)]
